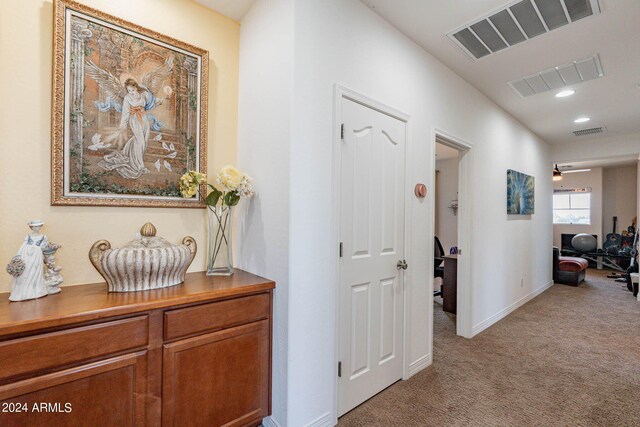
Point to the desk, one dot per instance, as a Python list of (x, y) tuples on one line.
[(450, 284)]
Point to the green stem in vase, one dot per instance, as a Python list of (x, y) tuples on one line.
[(220, 234)]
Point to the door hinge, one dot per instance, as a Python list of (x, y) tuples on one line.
[(342, 131), (339, 369), (340, 249)]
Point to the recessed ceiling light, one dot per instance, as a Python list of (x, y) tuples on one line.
[(565, 93), (581, 120)]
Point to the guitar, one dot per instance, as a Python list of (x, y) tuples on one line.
[(612, 239)]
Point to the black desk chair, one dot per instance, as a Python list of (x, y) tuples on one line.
[(438, 254)]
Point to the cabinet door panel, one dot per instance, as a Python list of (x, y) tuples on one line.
[(105, 393), (218, 379)]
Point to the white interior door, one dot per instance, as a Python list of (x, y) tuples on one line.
[(372, 236)]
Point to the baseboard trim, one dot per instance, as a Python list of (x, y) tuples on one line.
[(323, 420), (419, 365), (508, 310), (270, 422)]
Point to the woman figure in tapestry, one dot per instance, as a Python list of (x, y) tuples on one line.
[(134, 101)]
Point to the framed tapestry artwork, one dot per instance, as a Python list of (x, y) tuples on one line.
[(520, 193), (129, 112)]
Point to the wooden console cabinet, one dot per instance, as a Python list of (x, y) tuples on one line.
[(196, 354)]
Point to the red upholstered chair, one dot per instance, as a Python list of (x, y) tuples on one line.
[(568, 270)]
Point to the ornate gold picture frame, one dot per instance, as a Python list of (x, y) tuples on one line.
[(129, 112)]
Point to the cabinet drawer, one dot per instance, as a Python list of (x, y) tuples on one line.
[(45, 351), (215, 315)]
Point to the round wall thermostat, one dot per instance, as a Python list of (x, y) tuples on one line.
[(421, 191)]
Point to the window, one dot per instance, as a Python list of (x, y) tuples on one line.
[(572, 208)]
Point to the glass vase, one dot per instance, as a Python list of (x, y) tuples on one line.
[(219, 256)]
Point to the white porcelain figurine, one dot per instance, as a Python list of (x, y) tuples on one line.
[(52, 273), (27, 266)]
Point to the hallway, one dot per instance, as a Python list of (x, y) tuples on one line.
[(570, 357)]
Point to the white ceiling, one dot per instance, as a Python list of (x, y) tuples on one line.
[(612, 101), (234, 9), (605, 163)]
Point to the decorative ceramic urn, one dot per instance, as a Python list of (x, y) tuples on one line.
[(146, 263)]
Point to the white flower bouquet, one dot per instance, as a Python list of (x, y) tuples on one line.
[(233, 184)]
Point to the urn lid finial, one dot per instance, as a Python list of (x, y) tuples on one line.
[(148, 230)]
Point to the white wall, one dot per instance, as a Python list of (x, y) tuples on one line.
[(446, 191), (619, 196), (263, 151), (598, 225), (342, 41)]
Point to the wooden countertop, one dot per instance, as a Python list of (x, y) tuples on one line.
[(84, 303)]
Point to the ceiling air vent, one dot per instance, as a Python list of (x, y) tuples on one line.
[(590, 131), (577, 71), (519, 21)]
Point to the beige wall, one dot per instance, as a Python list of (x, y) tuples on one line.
[(25, 93), (619, 196), (591, 179)]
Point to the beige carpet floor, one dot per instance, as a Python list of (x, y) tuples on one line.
[(570, 357)]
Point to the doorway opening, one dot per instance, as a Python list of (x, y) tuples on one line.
[(445, 245), (451, 241), (595, 211)]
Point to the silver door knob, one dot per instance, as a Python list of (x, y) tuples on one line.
[(402, 265)]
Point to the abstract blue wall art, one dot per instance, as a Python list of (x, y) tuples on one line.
[(520, 193)]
